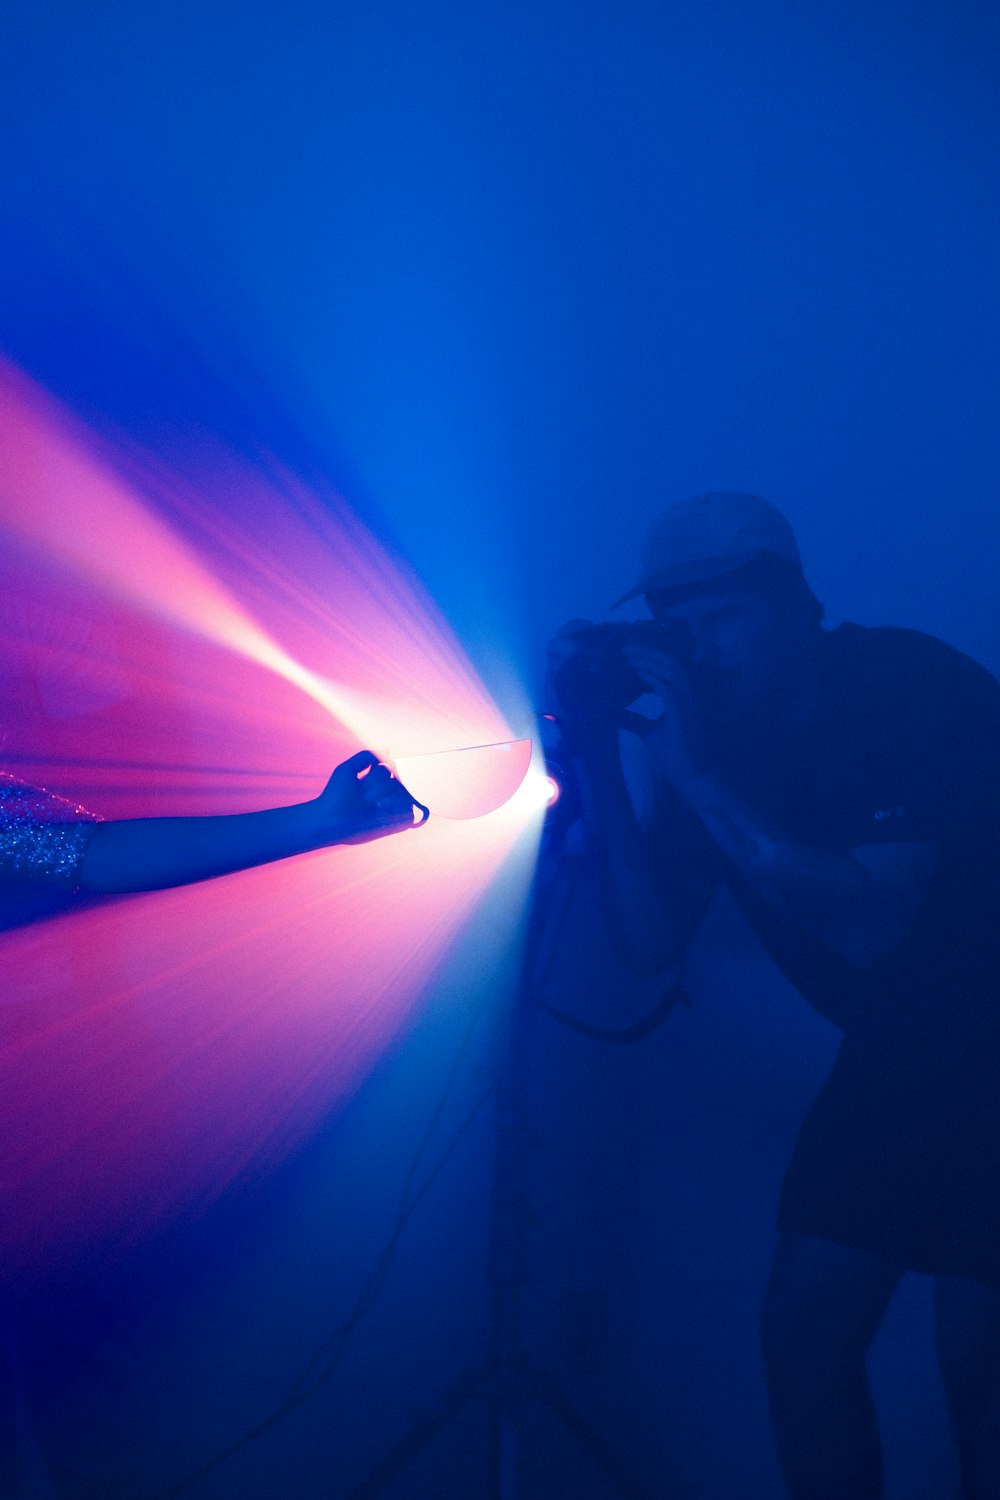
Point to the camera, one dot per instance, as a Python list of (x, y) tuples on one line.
[(598, 677)]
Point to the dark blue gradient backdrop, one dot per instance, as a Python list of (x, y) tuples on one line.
[(515, 275)]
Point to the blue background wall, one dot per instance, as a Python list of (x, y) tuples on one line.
[(522, 273)]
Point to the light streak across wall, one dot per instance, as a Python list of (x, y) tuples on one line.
[(206, 631)]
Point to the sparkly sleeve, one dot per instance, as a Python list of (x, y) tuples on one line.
[(43, 838)]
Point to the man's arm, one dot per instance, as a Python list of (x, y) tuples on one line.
[(860, 903), (655, 905)]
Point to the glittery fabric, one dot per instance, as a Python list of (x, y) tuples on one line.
[(43, 838)]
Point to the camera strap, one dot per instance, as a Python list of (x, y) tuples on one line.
[(674, 994)]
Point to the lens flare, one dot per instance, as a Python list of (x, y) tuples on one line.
[(208, 636)]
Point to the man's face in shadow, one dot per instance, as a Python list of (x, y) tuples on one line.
[(742, 650)]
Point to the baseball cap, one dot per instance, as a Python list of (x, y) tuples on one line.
[(697, 540)]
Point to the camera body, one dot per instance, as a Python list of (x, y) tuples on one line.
[(598, 677)]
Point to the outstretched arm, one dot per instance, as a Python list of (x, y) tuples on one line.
[(361, 801)]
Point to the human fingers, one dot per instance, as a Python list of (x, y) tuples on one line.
[(573, 628), (565, 647), (357, 764), (379, 788), (655, 665), (385, 797), (566, 640)]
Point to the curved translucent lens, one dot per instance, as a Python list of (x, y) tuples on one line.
[(466, 783)]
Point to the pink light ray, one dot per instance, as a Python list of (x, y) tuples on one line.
[(202, 638), (60, 494)]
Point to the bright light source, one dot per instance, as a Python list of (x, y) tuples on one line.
[(535, 793), (554, 791)]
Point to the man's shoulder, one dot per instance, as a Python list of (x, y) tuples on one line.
[(919, 717), (901, 663)]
